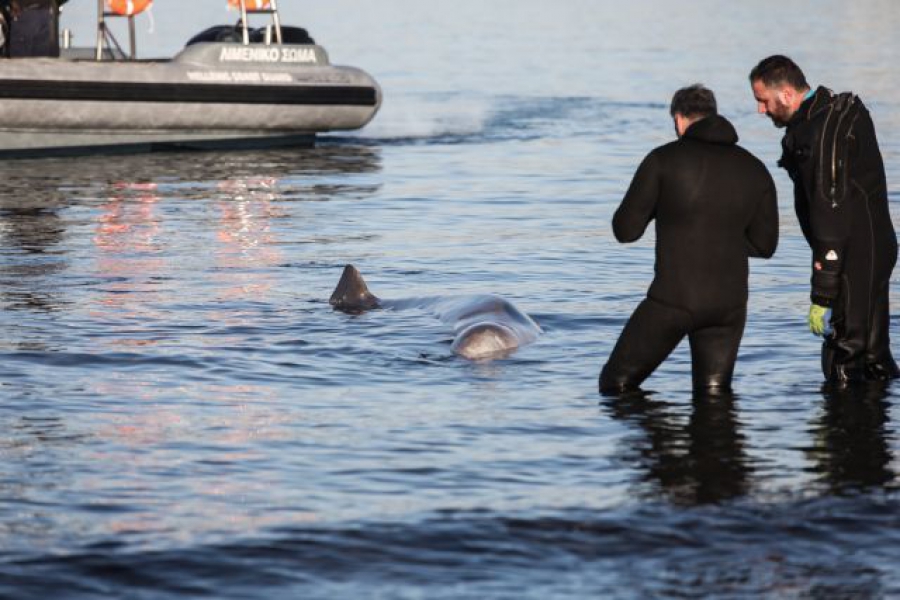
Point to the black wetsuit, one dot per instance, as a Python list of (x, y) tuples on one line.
[(715, 205), (840, 194)]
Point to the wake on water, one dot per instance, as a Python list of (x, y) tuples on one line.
[(453, 119)]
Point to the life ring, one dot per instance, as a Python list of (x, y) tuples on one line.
[(250, 4), (128, 8)]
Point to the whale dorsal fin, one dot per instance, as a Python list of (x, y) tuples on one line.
[(352, 294)]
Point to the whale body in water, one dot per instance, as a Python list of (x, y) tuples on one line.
[(485, 326)]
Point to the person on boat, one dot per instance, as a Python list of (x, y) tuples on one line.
[(4, 30), (715, 205), (33, 27), (6, 17), (831, 154)]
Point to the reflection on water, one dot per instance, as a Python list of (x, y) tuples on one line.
[(697, 454), (849, 447), (134, 205), (68, 175), (245, 237), (31, 230), (184, 415), (699, 459), (129, 238)]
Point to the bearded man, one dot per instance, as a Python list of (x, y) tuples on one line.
[(831, 154)]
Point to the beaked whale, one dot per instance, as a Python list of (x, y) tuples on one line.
[(486, 326)]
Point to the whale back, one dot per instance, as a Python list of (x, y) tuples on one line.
[(464, 311), (352, 295)]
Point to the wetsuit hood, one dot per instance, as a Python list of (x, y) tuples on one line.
[(714, 129)]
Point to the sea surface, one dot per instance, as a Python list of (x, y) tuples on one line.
[(182, 415)]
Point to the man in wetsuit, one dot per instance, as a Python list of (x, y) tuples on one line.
[(715, 205), (840, 194)]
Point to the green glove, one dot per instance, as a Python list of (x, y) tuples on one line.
[(818, 319)]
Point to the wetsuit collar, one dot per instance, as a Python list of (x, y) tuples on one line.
[(714, 129), (813, 101)]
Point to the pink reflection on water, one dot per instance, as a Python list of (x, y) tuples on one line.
[(129, 237), (248, 247)]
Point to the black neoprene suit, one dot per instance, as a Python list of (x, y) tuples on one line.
[(849, 229), (715, 205)]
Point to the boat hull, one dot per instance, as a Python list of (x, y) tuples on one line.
[(210, 95)]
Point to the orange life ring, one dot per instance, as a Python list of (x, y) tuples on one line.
[(251, 4), (128, 7)]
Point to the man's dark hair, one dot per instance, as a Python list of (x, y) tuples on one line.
[(693, 101), (778, 70)]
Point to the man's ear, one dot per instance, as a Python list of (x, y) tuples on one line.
[(681, 124), (787, 95)]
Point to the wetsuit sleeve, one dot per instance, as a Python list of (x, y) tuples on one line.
[(639, 205), (826, 272), (762, 233), (801, 208), (831, 209)]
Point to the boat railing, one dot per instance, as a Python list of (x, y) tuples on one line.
[(105, 37), (259, 7), (107, 44)]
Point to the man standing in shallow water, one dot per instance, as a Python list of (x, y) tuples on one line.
[(840, 195), (714, 204)]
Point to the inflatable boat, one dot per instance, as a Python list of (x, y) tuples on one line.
[(230, 87)]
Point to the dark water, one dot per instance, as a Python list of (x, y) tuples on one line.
[(184, 416)]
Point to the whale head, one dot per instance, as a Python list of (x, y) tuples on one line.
[(351, 294)]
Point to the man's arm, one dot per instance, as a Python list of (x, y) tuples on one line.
[(838, 171), (762, 233), (828, 242), (639, 205)]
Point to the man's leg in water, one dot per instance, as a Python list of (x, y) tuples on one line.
[(714, 351), (649, 337), (859, 348), (880, 364)]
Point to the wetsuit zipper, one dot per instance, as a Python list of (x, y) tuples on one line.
[(834, 158)]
